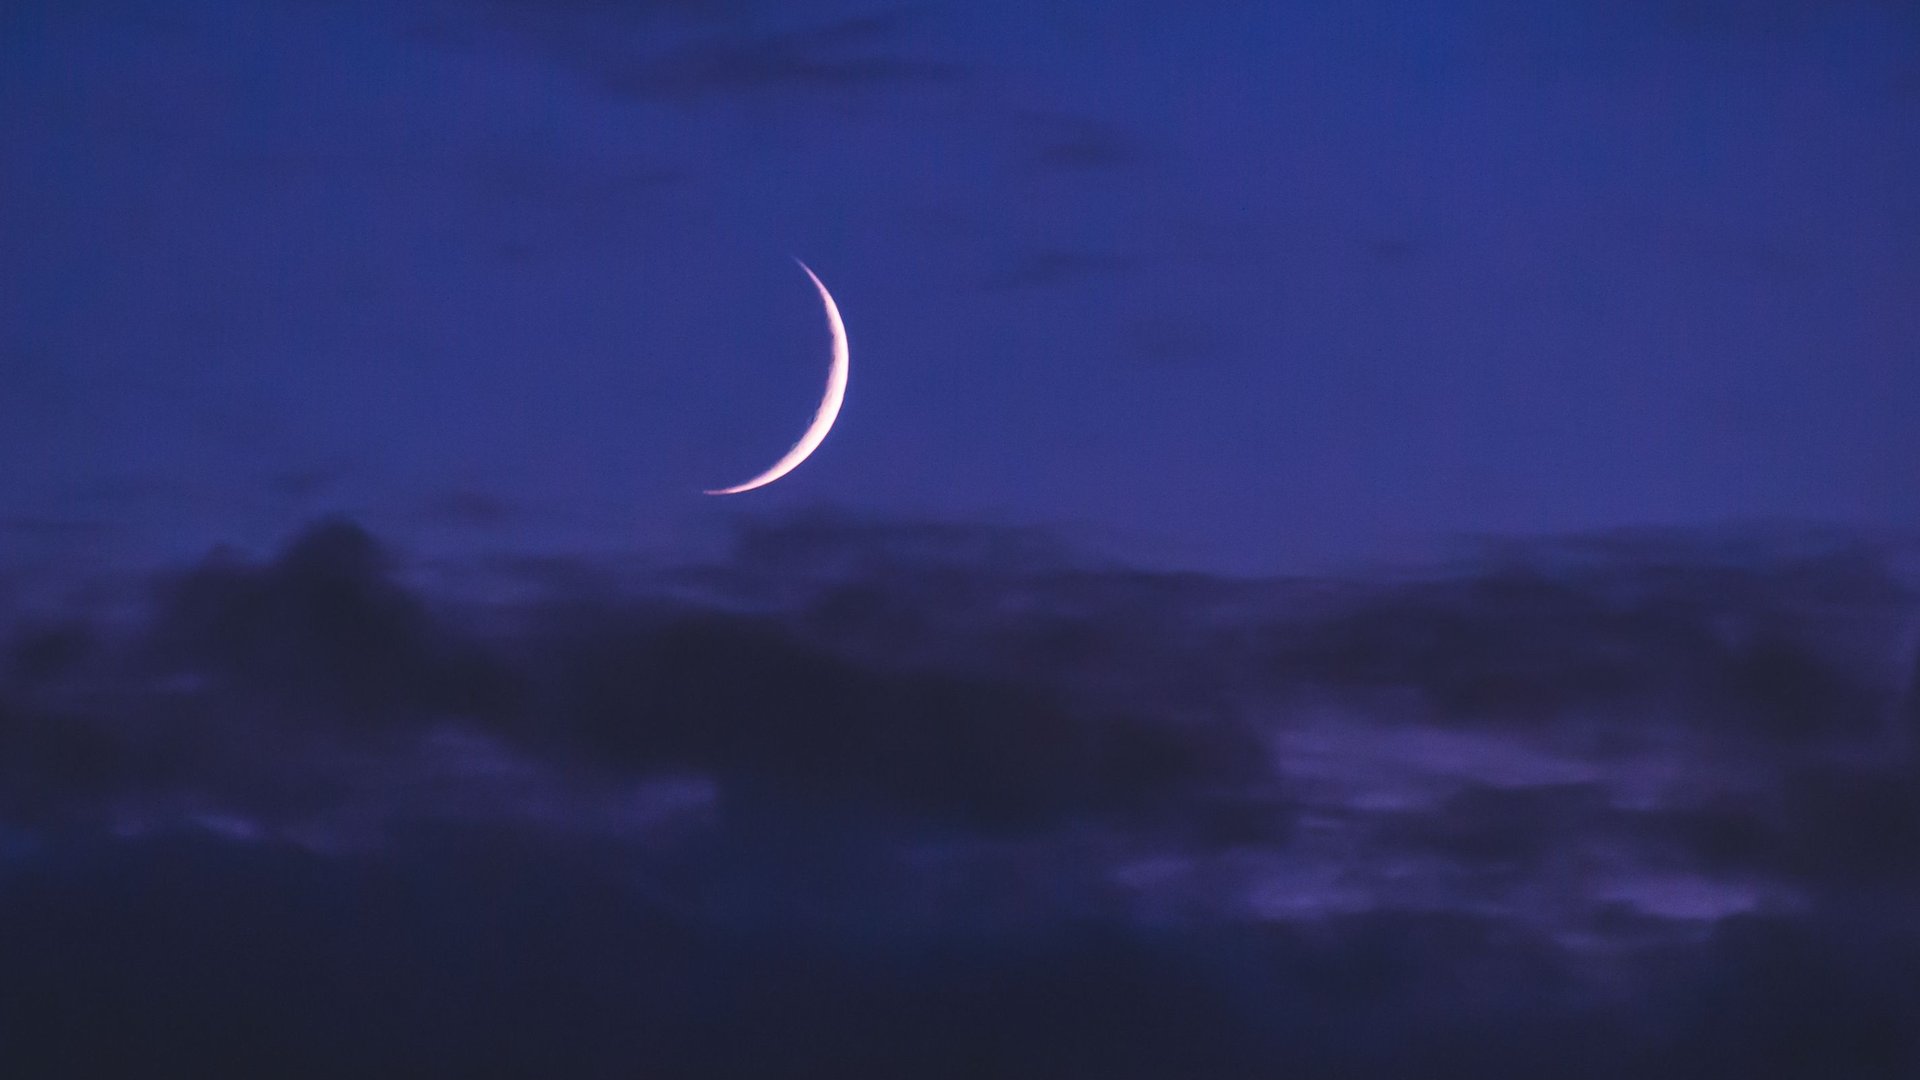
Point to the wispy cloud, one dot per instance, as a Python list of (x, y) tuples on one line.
[(1080, 143), (1038, 269), (854, 54)]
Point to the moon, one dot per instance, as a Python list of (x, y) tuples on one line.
[(816, 432)]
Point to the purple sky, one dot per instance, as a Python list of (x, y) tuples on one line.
[(1366, 540), (1267, 286)]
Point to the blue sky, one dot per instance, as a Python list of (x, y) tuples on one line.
[(377, 689), (1266, 286)]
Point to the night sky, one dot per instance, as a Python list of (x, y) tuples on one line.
[(1365, 540)]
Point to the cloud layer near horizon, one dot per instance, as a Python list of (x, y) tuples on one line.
[(872, 797)]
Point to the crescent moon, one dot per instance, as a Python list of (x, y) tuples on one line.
[(816, 432)]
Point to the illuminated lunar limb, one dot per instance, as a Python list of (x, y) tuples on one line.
[(816, 432)]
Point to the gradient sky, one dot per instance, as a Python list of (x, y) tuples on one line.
[(1264, 286), (1367, 540)]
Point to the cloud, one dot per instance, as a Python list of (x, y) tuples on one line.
[(471, 508), (323, 623), (528, 960), (303, 484), (1505, 828), (824, 545), (861, 792), (843, 55), (745, 700), (1718, 19), (1080, 143), (324, 638), (1721, 644), (53, 528), (1041, 269), (49, 650)]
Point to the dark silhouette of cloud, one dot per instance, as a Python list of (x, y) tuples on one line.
[(874, 799), (47, 651), (323, 623), (527, 961), (743, 699), (1728, 646)]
